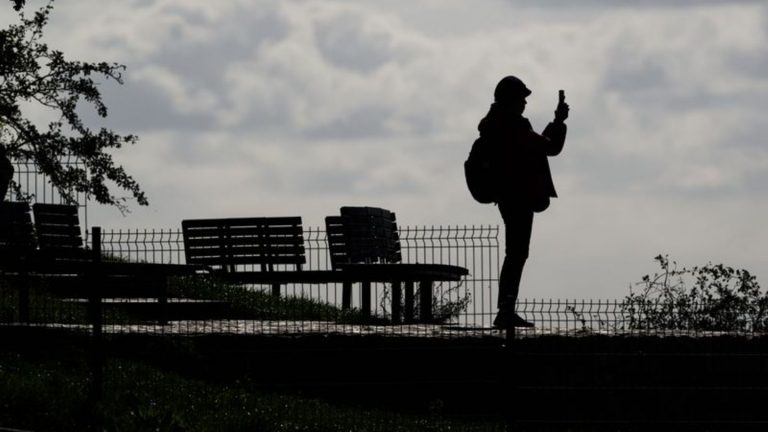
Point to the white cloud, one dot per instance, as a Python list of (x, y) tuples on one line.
[(302, 107)]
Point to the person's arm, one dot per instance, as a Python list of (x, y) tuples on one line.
[(552, 139)]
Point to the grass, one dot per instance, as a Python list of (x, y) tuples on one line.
[(253, 304), (245, 304), (50, 392), (43, 307)]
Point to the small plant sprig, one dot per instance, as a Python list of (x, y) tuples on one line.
[(714, 297)]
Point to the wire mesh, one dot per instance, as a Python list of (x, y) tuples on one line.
[(464, 308), (36, 185)]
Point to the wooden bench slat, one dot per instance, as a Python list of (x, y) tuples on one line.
[(54, 242), (195, 242), (252, 221), (247, 248), (62, 230), (240, 260), (244, 241), (43, 208), (255, 257), (233, 231), (55, 219)]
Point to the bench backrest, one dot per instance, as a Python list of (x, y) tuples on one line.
[(17, 239), (363, 235), (58, 232), (227, 243)]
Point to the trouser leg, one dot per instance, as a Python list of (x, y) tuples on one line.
[(509, 280), (518, 223)]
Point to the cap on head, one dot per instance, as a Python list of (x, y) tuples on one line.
[(509, 88)]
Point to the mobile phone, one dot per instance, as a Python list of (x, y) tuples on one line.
[(562, 96)]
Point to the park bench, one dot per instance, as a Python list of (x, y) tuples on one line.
[(17, 246), (87, 276), (17, 242), (52, 248), (270, 251), (252, 250), (364, 243)]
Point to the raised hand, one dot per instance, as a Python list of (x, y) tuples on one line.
[(561, 112)]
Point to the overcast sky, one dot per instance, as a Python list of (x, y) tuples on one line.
[(251, 108)]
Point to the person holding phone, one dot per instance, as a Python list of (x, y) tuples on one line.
[(523, 179)]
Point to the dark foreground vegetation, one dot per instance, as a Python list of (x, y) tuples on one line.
[(47, 386), (348, 383)]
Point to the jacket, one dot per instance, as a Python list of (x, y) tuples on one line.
[(522, 168)]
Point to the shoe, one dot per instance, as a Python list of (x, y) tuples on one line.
[(500, 322), (518, 321)]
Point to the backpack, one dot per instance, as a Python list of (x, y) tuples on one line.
[(483, 182), (479, 172)]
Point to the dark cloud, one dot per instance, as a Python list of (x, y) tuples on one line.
[(647, 74), (203, 62), (607, 170), (374, 121), (141, 106), (362, 122), (749, 63), (345, 42), (199, 64), (331, 180)]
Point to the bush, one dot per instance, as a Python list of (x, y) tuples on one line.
[(714, 297)]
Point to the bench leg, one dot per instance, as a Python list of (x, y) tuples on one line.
[(365, 299), (276, 290), (397, 297), (425, 301), (346, 296), (408, 302), (92, 281)]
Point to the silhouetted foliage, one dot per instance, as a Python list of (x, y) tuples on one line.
[(18, 4), (32, 73), (714, 297)]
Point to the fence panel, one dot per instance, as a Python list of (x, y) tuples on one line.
[(32, 182)]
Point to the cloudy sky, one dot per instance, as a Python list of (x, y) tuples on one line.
[(248, 108)]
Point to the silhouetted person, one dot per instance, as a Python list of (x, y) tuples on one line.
[(523, 179), (6, 173)]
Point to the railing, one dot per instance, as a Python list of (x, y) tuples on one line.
[(473, 247), (466, 308), (36, 185)]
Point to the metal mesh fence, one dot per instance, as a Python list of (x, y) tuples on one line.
[(36, 185), (469, 303), (464, 308)]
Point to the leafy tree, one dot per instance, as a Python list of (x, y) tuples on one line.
[(32, 73)]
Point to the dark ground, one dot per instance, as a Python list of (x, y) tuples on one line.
[(562, 383)]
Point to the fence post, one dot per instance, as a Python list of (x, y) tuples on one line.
[(93, 278)]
